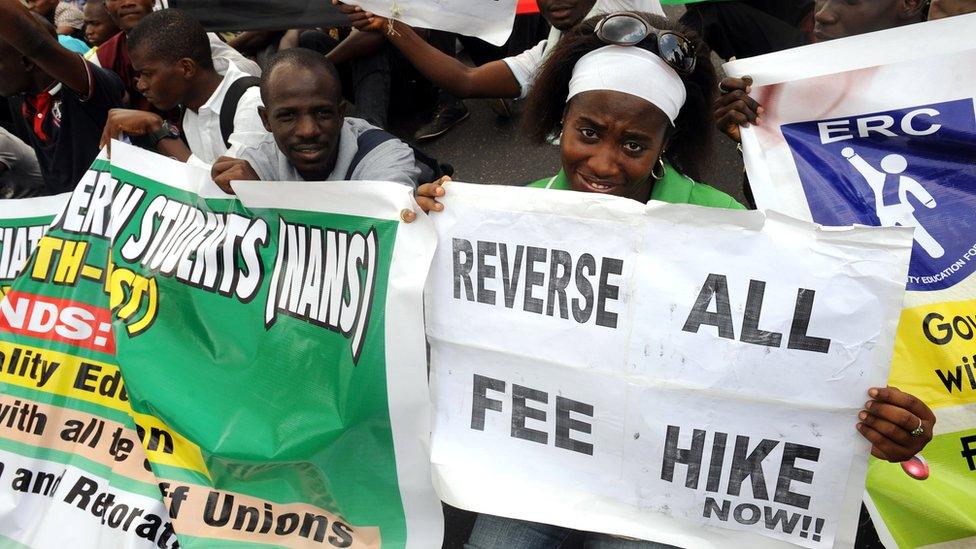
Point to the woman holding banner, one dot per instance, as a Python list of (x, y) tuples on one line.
[(630, 95)]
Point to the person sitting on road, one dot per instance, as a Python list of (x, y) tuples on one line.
[(310, 138), (643, 143), (631, 94)]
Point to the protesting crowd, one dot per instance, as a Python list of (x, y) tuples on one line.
[(629, 99)]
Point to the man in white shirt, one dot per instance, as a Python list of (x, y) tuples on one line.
[(170, 53), (202, 127), (311, 138)]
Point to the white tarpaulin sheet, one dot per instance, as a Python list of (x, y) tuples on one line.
[(674, 373), (490, 20)]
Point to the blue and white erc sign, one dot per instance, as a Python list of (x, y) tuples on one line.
[(910, 167)]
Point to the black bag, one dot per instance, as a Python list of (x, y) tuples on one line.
[(430, 169), (228, 108)]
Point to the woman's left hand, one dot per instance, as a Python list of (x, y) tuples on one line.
[(888, 421)]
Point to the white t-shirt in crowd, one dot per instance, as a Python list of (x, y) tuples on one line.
[(391, 160), (223, 55), (202, 128), (525, 65)]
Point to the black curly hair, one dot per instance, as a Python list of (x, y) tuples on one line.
[(172, 35), (690, 138)]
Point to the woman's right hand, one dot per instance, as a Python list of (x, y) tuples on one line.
[(735, 108), (428, 193)]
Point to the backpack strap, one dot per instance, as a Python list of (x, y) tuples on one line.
[(365, 144), (228, 108)]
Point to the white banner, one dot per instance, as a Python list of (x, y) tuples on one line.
[(880, 129), (489, 20), (673, 373)]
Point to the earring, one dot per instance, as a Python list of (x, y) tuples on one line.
[(660, 164), (556, 136)]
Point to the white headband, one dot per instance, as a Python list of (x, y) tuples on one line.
[(630, 70)]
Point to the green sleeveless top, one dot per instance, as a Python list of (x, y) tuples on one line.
[(673, 188)]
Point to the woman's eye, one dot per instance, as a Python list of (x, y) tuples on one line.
[(634, 147), (588, 133)]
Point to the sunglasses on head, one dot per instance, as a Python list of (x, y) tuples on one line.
[(630, 29)]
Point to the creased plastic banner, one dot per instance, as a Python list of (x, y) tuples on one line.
[(225, 372), (880, 129), (66, 458), (490, 20), (648, 371)]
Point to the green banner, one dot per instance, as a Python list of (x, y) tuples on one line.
[(266, 350)]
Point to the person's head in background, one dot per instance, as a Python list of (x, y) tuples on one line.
[(843, 18), (171, 54), (99, 26), (565, 14), (128, 13), (304, 110), (18, 74), (614, 142)]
